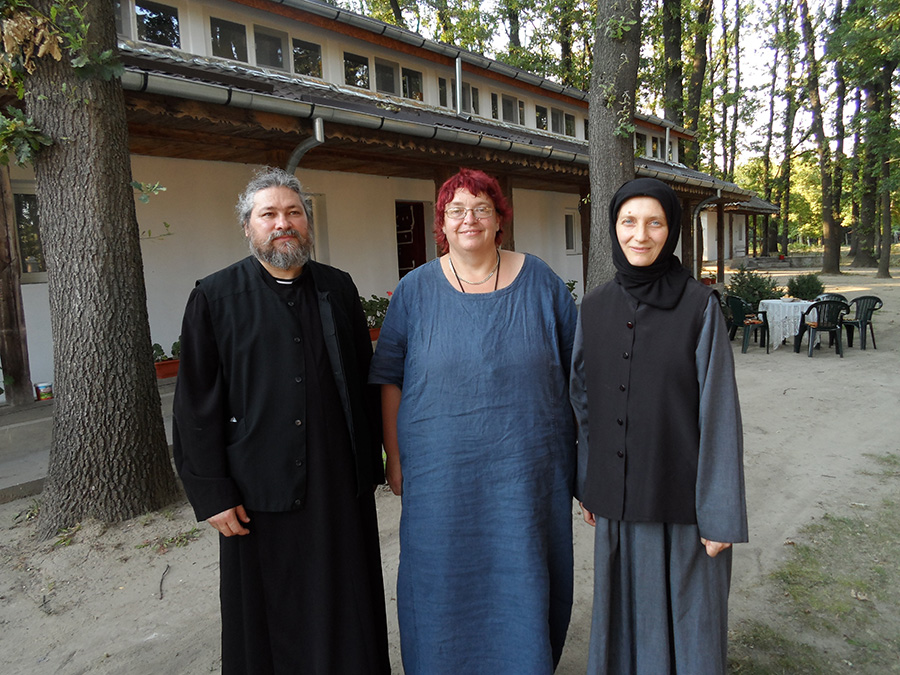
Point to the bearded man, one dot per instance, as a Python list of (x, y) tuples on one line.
[(277, 439)]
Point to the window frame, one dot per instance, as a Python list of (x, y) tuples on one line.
[(394, 68), (368, 70), (278, 35), (209, 24), (135, 24), (405, 89), (25, 188), (294, 46), (572, 215), (541, 117)]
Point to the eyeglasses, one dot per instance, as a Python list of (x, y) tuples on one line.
[(459, 213)]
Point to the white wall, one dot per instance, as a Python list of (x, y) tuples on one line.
[(540, 229), (355, 231)]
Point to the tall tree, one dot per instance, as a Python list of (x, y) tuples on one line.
[(673, 100), (840, 95), (109, 458), (831, 261), (617, 43), (884, 260), (789, 35), (702, 30)]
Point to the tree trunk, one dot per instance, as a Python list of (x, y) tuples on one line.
[(767, 152), (840, 94), (565, 42), (674, 70), (698, 76), (617, 42), (398, 13), (723, 98), (884, 260), (109, 458), (13, 345), (831, 260), (738, 92), (869, 167), (855, 163), (790, 112)]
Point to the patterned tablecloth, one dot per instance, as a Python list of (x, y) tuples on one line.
[(784, 318)]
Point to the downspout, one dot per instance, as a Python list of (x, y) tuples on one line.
[(698, 255), (306, 145), (459, 87)]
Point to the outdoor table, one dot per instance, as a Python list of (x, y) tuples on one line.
[(783, 316)]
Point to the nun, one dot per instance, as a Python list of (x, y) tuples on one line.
[(660, 449)]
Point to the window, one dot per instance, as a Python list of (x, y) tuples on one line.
[(640, 145), (157, 23), (229, 39), (655, 147), (386, 77), (356, 70), (31, 252), (569, 129), (307, 58), (470, 98), (556, 120), (509, 109), (573, 231), (540, 117), (442, 92), (270, 48), (522, 113), (412, 84), (495, 107), (587, 136)]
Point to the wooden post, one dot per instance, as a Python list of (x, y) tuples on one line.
[(13, 345), (720, 242), (687, 238)]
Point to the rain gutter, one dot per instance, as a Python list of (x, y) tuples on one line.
[(165, 85)]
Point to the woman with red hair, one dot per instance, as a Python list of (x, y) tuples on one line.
[(473, 360)]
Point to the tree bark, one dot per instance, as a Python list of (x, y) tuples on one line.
[(698, 76), (398, 13), (790, 112), (617, 42), (869, 167), (767, 151), (884, 260), (109, 458), (840, 95), (738, 92), (674, 69), (13, 345), (831, 260)]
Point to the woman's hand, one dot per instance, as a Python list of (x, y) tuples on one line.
[(394, 475), (588, 516), (714, 548), (390, 406)]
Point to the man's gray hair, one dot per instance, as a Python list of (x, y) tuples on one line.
[(268, 177)]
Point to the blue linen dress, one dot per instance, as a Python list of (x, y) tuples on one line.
[(487, 449)]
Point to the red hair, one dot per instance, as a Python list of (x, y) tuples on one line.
[(475, 182)]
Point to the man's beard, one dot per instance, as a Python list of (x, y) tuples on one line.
[(290, 254)]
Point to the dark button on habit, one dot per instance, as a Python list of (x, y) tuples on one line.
[(298, 502), (298, 422), (630, 324), (625, 355), (299, 462), (621, 387), (298, 379), (620, 453), (296, 339), (290, 303), (619, 422)]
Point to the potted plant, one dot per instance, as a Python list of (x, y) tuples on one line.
[(375, 309), (166, 366)]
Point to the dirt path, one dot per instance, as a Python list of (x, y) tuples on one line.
[(103, 605)]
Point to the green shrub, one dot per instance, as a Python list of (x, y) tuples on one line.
[(805, 286), (753, 286)]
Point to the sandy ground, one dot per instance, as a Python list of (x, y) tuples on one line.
[(103, 605)]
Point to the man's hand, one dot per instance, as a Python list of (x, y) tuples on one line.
[(230, 522)]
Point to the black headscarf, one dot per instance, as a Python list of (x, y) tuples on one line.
[(661, 283)]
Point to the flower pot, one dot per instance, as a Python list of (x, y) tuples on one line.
[(374, 333), (167, 368), (708, 281)]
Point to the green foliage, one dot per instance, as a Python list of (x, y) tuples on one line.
[(147, 189), (159, 354), (805, 286), (375, 309), (753, 286), (19, 137), (162, 544)]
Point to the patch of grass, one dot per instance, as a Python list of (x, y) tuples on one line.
[(66, 536), (836, 601), (163, 544)]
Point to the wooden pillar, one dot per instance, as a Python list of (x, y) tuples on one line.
[(687, 238), (13, 343), (584, 211), (720, 242), (509, 230)]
